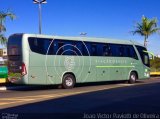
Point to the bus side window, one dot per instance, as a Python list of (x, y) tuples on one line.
[(133, 53), (115, 50), (121, 50), (40, 46), (99, 49), (55, 44), (128, 51), (106, 50), (94, 49), (86, 49), (36, 45), (49, 47), (77, 48), (74, 48), (60, 48), (67, 47)]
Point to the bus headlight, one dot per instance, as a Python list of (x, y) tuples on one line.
[(147, 74)]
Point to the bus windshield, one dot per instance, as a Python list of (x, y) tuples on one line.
[(144, 55)]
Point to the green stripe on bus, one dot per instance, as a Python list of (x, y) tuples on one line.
[(114, 66)]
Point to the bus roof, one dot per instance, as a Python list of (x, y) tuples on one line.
[(84, 38)]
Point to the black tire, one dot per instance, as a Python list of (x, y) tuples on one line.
[(68, 81), (132, 78)]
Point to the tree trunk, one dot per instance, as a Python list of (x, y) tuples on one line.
[(145, 41)]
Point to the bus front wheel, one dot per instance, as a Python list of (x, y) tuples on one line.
[(68, 81), (133, 77)]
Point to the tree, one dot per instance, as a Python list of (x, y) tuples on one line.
[(3, 16), (146, 28), (155, 64)]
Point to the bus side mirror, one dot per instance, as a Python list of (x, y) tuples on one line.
[(146, 59), (151, 55)]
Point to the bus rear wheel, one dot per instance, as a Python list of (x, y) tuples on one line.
[(68, 81), (133, 78)]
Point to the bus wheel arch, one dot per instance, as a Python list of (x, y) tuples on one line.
[(133, 77), (68, 80)]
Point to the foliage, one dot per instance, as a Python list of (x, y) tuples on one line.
[(3, 16), (155, 64), (3, 39), (146, 28)]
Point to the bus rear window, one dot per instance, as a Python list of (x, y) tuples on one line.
[(15, 45), (13, 50)]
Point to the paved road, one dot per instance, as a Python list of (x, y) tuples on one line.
[(111, 100)]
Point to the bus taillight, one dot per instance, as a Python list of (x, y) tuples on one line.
[(24, 71)]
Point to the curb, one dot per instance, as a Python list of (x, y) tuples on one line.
[(22, 87), (4, 88)]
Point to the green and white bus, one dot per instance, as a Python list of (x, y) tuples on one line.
[(45, 60)]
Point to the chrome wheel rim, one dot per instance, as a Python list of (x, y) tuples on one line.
[(69, 82), (133, 77)]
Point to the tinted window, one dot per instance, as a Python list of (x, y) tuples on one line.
[(121, 49), (118, 50), (115, 50), (41, 45), (50, 49), (14, 45), (143, 54), (60, 50), (86, 49), (69, 47), (130, 52), (106, 50), (78, 48), (94, 50)]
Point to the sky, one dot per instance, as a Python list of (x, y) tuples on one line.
[(113, 19)]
